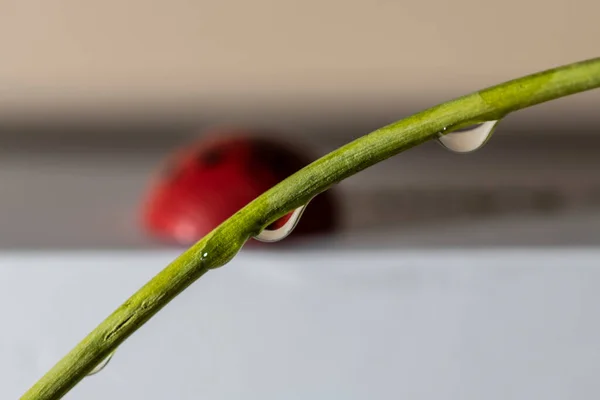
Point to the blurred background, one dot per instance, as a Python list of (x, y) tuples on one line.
[(95, 95), (447, 275)]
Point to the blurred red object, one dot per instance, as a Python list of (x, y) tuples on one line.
[(204, 183)]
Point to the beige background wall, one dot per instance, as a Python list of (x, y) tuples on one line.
[(243, 52)]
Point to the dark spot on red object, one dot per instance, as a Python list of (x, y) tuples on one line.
[(281, 160), (211, 157)]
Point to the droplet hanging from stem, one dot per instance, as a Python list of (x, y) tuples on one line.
[(468, 139)]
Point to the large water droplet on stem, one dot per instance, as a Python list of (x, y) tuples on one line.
[(468, 139), (102, 364), (275, 235)]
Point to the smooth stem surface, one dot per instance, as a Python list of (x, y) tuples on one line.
[(221, 245)]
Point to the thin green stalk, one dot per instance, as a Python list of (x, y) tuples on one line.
[(222, 244)]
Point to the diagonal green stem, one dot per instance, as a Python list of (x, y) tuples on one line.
[(221, 245)]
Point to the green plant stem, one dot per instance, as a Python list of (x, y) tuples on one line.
[(222, 244)]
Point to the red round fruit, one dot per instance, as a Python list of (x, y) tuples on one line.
[(203, 184)]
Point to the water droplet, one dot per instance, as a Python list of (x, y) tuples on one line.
[(468, 139), (275, 235), (102, 364)]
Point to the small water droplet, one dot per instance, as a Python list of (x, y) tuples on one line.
[(468, 139), (102, 364), (275, 235)]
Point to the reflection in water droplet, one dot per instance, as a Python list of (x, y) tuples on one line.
[(278, 234), (469, 139), (101, 366)]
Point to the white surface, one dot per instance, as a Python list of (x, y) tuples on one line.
[(349, 325)]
